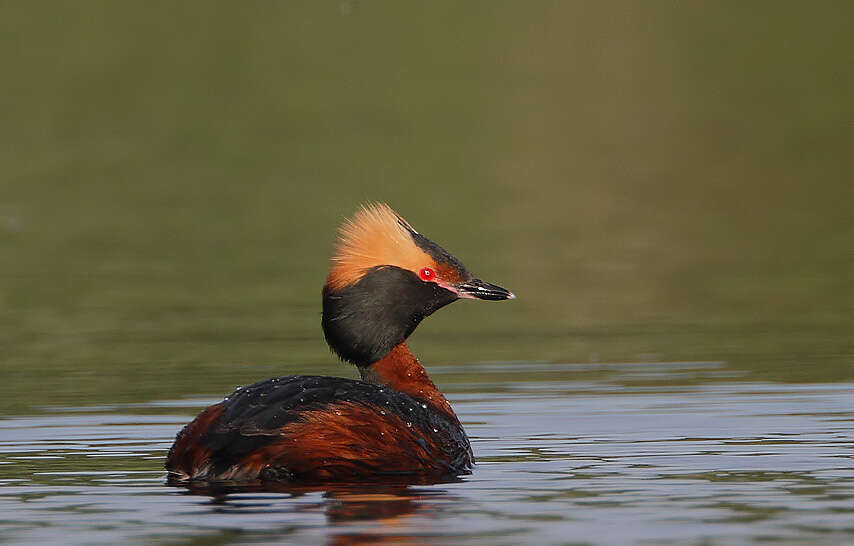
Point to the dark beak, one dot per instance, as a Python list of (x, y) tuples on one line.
[(482, 290)]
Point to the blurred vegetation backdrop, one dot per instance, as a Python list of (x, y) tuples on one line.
[(655, 180)]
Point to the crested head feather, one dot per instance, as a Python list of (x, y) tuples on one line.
[(375, 236)]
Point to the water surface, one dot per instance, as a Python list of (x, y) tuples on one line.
[(614, 460)]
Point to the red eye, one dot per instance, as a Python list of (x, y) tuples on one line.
[(427, 274)]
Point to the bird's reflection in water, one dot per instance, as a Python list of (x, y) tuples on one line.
[(389, 503)]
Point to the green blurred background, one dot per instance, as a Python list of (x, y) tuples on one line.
[(655, 180)]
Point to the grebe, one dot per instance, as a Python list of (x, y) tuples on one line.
[(385, 278)]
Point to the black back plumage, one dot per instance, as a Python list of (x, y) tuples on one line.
[(253, 416)]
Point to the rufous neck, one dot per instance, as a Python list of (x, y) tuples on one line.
[(401, 371)]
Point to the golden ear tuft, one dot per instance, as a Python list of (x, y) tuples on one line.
[(375, 236)]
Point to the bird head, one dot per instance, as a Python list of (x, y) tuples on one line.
[(384, 280)]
